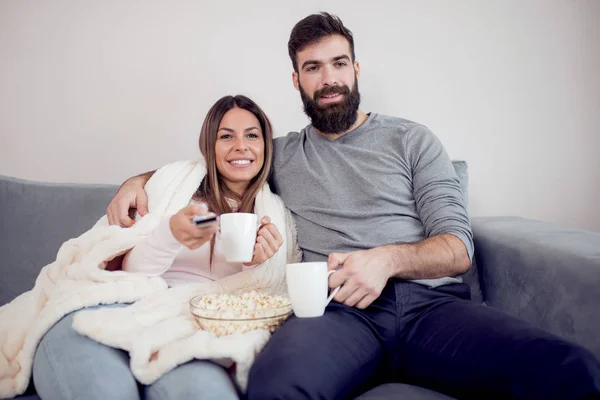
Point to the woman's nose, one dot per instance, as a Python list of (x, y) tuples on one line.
[(241, 145)]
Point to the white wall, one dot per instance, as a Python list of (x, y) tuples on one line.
[(95, 91)]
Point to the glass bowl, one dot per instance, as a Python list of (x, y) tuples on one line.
[(226, 314)]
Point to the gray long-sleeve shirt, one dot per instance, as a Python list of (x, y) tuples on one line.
[(389, 181)]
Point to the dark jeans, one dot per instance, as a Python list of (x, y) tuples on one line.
[(435, 338)]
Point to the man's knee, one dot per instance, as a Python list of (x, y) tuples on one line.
[(578, 370), (276, 381), (322, 358), (279, 376), (564, 370)]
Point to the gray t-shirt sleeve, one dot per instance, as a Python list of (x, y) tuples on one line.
[(439, 199)]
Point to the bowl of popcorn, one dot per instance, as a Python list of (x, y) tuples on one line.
[(226, 314)]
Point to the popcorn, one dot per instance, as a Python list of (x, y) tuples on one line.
[(226, 314)]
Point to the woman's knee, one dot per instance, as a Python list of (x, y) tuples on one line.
[(68, 365), (198, 379)]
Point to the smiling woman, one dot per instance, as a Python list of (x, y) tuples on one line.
[(236, 142), (239, 149)]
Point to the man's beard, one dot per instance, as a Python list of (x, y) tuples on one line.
[(333, 118)]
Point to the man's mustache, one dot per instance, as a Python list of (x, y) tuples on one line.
[(331, 90)]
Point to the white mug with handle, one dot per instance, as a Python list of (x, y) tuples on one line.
[(307, 285), (238, 235)]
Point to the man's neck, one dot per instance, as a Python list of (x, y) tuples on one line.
[(360, 119)]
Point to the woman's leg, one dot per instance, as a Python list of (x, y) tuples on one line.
[(68, 365), (197, 379)]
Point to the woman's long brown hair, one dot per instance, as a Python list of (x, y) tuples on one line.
[(213, 190)]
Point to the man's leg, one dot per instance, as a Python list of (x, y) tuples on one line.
[(329, 357), (465, 349), (68, 365)]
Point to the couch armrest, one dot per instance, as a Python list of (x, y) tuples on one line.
[(546, 274)]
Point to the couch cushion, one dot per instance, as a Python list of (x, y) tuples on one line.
[(471, 277), (543, 273), (401, 391), (35, 219)]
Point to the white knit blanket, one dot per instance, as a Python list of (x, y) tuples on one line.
[(158, 330)]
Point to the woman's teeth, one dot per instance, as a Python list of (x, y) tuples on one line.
[(241, 162)]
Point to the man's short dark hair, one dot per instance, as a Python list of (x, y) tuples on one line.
[(314, 28)]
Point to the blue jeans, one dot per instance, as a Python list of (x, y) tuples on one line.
[(434, 338), (68, 365)]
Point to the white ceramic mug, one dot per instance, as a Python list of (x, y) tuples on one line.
[(238, 236), (307, 285)]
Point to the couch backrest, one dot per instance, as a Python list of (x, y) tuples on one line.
[(36, 218)]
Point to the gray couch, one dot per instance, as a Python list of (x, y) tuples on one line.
[(543, 273)]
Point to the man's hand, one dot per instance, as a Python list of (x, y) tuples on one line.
[(186, 232), (130, 195), (363, 274), (268, 241)]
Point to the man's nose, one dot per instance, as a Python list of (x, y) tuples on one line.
[(328, 76)]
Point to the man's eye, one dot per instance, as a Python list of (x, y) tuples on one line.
[(311, 69), (341, 64)]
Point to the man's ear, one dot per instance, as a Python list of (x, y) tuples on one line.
[(295, 78), (357, 68)]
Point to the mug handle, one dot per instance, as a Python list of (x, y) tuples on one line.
[(337, 289)]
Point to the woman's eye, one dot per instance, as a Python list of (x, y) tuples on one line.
[(252, 136), (225, 137)]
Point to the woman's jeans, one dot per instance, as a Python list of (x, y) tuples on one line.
[(68, 365)]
